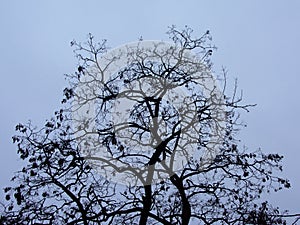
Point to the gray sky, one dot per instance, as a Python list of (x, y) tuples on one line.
[(258, 43)]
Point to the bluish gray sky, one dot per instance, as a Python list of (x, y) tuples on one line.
[(258, 43)]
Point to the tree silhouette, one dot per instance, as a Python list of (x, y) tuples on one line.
[(152, 142)]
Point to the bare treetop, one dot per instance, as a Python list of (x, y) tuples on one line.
[(147, 136)]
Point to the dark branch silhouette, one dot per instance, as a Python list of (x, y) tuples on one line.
[(176, 153)]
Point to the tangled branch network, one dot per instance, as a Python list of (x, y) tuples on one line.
[(145, 109)]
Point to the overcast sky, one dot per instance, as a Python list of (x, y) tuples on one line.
[(258, 43)]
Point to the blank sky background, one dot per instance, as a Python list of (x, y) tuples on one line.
[(258, 43)]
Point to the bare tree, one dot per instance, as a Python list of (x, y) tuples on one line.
[(152, 142)]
